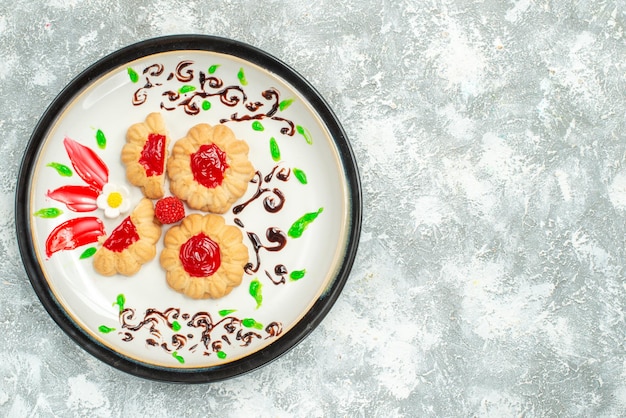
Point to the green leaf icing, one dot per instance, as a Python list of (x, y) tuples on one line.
[(251, 323), (186, 89), (255, 292), (206, 105), (62, 169), (274, 150), (258, 126), (101, 140), (176, 326), (242, 77), (221, 354), (134, 77), (48, 213), (297, 274), (301, 224), (120, 301), (225, 312), (305, 133), (300, 175), (285, 104), (104, 329), (177, 357), (212, 68), (88, 253)]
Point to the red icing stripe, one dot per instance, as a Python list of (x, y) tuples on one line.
[(76, 198), (74, 233), (87, 164)]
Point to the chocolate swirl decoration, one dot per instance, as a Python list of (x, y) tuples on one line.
[(216, 346), (211, 86), (151, 319), (273, 235), (212, 335), (274, 329), (247, 337), (202, 320), (230, 96), (271, 204), (179, 341), (154, 70), (214, 82), (273, 201), (172, 96), (140, 96), (183, 74), (270, 95), (280, 271)]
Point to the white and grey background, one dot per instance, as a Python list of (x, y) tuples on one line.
[(491, 139)]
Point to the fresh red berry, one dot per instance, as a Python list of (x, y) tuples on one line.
[(169, 210)]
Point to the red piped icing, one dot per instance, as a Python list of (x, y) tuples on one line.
[(87, 164), (200, 256), (122, 237), (153, 155), (74, 233), (76, 198), (208, 165)]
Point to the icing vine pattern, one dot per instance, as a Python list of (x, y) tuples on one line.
[(273, 202), (177, 332), (192, 98)]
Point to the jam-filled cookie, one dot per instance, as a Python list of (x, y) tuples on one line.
[(209, 168), (203, 257), (145, 154), (131, 244)]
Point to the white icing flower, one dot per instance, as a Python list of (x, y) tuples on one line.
[(114, 200)]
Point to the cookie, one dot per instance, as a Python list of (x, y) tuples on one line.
[(203, 257), (209, 168), (145, 155), (131, 244)]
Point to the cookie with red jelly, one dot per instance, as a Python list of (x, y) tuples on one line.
[(131, 244), (145, 155), (204, 257), (209, 168)]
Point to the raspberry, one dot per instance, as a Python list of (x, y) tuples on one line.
[(169, 210)]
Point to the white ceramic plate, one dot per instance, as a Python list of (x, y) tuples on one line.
[(305, 172)]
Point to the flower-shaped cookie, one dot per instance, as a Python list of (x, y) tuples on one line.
[(131, 244), (145, 153), (209, 168), (203, 257)]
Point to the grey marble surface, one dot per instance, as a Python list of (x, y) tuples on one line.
[(490, 274)]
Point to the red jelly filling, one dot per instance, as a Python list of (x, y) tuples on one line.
[(200, 256), (153, 155), (208, 165), (122, 236)]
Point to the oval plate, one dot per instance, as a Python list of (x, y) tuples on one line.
[(300, 217)]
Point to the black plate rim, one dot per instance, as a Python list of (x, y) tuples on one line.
[(313, 316)]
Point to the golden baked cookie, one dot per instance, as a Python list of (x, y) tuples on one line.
[(131, 244), (203, 257), (145, 154), (209, 168)]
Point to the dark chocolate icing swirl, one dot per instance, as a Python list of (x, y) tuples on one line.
[(273, 202), (183, 74), (213, 335), (210, 86)]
